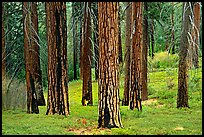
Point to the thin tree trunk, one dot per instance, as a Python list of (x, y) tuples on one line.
[(58, 101), (75, 40), (87, 81), (3, 46), (136, 55), (182, 98), (81, 44), (144, 53), (125, 101), (32, 105), (95, 37), (152, 37), (195, 34), (108, 95)]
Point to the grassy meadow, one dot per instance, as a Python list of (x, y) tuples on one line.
[(159, 115)]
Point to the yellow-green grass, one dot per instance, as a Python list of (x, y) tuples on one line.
[(159, 114)]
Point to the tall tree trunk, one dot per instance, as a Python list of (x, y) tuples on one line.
[(81, 42), (87, 81), (108, 96), (125, 101), (195, 34), (136, 55), (95, 37), (3, 46), (57, 58), (152, 37), (172, 32), (119, 39), (32, 105), (75, 39), (144, 53), (37, 73), (182, 98)]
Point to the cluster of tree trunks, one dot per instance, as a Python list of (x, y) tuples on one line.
[(35, 96), (108, 56)]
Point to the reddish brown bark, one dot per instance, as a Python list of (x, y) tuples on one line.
[(58, 101), (195, 35), (87, 81), (136, 56), (32, 106), (120, 55), (108, 95), (35, 58)]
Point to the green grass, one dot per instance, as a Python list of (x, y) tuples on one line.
[(158, 117)]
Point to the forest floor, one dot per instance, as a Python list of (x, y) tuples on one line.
[(159, 114)]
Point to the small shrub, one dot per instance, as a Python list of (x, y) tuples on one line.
[(164, 60), (13, 94)]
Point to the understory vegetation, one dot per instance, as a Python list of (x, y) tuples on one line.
[(159, 115)]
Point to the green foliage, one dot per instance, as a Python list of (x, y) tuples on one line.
[(163, 60)]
